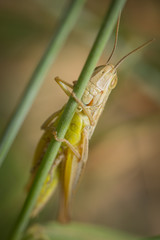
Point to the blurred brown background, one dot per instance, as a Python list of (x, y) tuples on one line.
[(121, 184)]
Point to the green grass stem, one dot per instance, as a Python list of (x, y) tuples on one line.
[(95, 53), (60, 34)]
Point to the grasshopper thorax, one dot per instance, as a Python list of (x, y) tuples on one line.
[(103, 80)]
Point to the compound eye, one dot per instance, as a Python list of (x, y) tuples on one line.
[(87, 98), (113, 82)]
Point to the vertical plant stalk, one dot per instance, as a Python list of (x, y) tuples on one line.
[(96, 51), (63, 29)]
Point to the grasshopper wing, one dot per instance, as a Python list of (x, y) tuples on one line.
[(71, 170)]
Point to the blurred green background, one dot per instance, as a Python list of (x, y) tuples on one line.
[(121, 185)]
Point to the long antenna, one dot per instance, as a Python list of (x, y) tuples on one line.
[(116, 38), (122, 59)]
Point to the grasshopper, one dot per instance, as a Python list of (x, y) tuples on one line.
[(73, 153)]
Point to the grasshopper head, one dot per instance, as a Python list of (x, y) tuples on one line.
[(104, 77)]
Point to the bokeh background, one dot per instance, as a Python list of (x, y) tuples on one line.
[(121, 185)]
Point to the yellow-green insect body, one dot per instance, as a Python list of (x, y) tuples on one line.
[(73, 153), (66, 166)]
